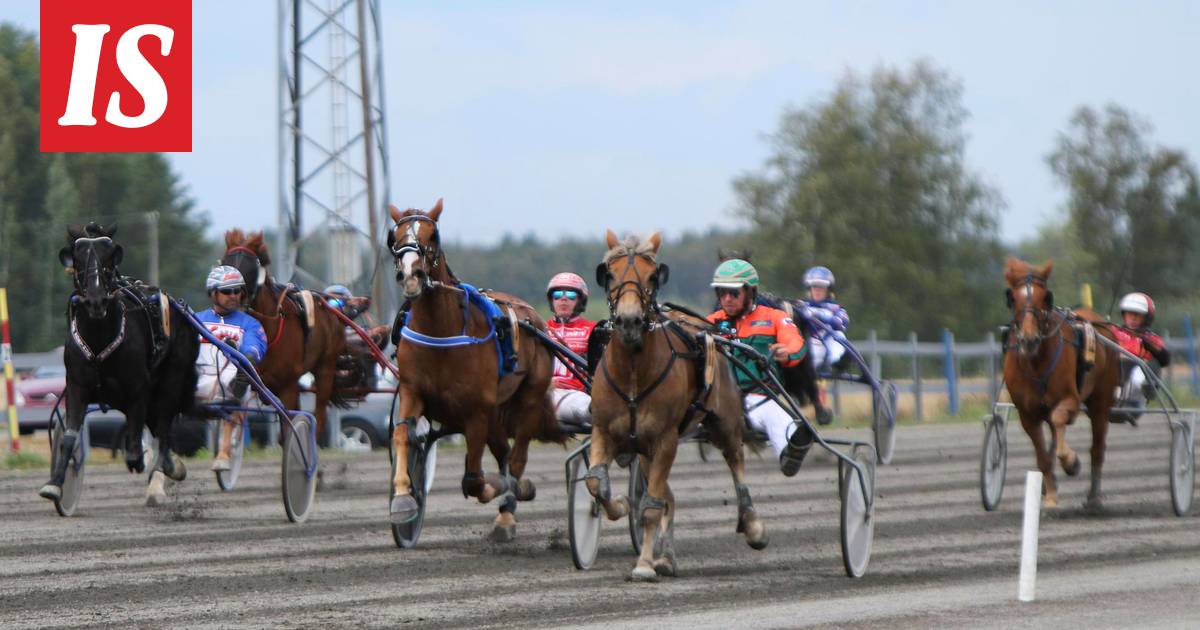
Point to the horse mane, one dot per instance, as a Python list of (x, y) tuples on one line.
[(633, 244), (1016, 269)]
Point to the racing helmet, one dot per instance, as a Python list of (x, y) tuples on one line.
[(568, 280), (818, 277), (735, 273), (1138, 302), (338, 295), (224, 277)]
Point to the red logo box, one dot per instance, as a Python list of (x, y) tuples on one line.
[(116, 76)]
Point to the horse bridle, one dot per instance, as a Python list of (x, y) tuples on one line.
[(413, 244), (647, 295), (246, 252), (1040, 315), (92, 268)]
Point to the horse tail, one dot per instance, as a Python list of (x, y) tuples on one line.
[(337, 399), (549, 429)]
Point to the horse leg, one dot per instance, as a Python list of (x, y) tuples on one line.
[(748, 521), (664, 543), (654, 506), (73, 421), (404, 507), (518, 457), (135, 423), (504, 528), (289, 396), (165, 467), (1099, 443), (323, 386), (474, 484), (600, 454), (1045, 459), (1062, 414)]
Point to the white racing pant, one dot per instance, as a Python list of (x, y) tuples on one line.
[(215, 372), (765, 415), (827, 351), (572, 406)]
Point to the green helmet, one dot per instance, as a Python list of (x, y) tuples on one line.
[(734, 274)]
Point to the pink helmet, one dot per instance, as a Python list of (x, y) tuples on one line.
[(568, 280)]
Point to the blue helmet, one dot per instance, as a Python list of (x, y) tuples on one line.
[(339, 294), (818, 277)]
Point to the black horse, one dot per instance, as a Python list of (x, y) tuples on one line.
[(121, 352)]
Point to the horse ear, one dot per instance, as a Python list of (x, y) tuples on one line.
[(611, 240), (391, 237), (117, 255), (1008, 298), (436, 210), (664, 274), (1046, 269), (75, 232), (656, 241), (394, 212), (110, 231), (602, 274), (66, 257)]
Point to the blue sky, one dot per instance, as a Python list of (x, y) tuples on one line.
[(565, 119)]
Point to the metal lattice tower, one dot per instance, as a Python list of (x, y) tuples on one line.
[(333, 156)]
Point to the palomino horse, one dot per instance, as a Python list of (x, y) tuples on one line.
[(292, 349), (119, 354), (1041, 368), (450, 372), (650, 399)]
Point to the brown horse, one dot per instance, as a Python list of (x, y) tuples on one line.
[(1041, 364), (450, 372), (292, 349), (649, 399)]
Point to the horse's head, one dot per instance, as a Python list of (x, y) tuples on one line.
[(248, 254), (417, 248), (631, 277), (1031, 302), (92, 256)]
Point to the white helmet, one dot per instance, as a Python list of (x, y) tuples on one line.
[(1138, 303), (223, 277)]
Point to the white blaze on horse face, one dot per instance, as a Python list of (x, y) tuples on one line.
[(406, 263)]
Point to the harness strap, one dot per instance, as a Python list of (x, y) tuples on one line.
[(87, 351)]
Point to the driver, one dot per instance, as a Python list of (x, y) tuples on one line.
[(1134, 335), (567, 294), (771, 332), (219, 379), (820, 305)]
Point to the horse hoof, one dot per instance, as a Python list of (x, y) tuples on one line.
[(320, 479), (178, 471), (1093, 505), (51, 491), (1049, 504), (665, 567), (620, 508), (756, 536), (526, 491), (404, 509), (1073, 470), (135, 465), (503, 534), (643, 574)]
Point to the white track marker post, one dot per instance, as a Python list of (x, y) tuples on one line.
[(1029, 536)]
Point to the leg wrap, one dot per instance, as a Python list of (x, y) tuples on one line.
[(599, 472), (651, 503), (471, 481), (65, 448), (745, 505)]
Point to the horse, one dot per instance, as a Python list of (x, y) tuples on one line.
[(118, 354), (649, 399), (451, 371), (1042, 373), (293, 349), (799, 380)]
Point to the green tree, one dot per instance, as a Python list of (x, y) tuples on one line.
[(1133, 207), (872, 183)]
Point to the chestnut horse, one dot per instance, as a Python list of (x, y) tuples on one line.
[(450, 372), (652, 394), (1041, 370), (291, 350)]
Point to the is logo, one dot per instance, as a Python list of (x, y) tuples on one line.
[(116, 76)]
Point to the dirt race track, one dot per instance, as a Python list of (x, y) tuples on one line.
[(232, 560)]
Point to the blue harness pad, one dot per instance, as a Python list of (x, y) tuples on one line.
[(505, 356)]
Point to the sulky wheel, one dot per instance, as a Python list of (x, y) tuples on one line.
[(299, 468), (858, 518), (883, 423), (227, 479), (72, 487), (993, 463), (584, 512), (1183, 469), (421, 462), (637, 490)]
